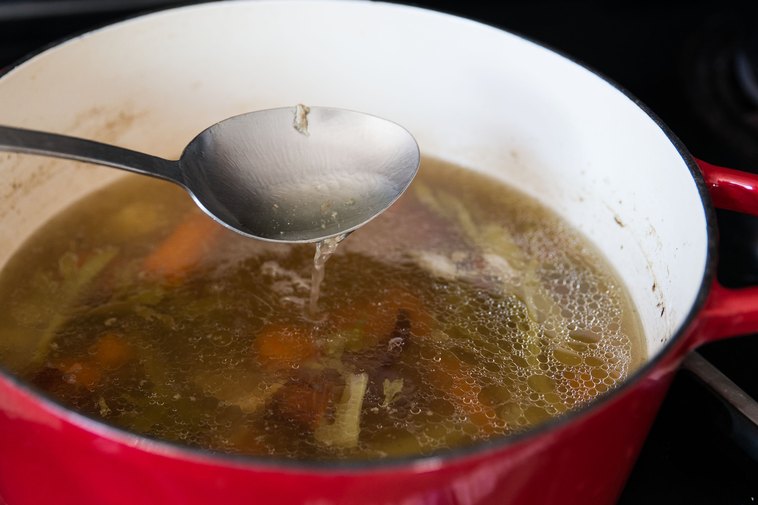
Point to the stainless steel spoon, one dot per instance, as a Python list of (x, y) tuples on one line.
[(283, 175)]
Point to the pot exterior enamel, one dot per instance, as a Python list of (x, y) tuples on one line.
[(470, 94), (47, 458)]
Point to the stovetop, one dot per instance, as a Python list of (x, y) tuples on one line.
[(695, 64)]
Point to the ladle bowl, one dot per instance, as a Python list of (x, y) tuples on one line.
[(292, 174)]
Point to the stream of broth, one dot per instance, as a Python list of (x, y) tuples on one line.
[(325, 249), (466, 311)]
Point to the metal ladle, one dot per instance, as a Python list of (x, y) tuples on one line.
[(283, 175)]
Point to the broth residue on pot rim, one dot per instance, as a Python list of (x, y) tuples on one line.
[(466, 311)]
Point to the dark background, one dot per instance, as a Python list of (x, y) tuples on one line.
[(695, 64)]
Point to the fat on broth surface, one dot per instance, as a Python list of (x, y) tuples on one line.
[(466, 311)]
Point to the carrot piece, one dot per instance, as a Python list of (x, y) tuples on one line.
[(278, 346), (422, 321), (183, 248), (304, 403), (79, 372), (374, 322), (110, 351), (376, 319)]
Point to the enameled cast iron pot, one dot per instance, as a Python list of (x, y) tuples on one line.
[(471, 94)]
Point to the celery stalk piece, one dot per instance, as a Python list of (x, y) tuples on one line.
[(344, 431), (60, 298)]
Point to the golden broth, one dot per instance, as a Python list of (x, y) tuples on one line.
[(464, 312)]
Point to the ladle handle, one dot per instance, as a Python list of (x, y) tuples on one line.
[(19, 140)]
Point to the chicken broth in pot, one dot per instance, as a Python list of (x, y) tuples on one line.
[(466, 311)]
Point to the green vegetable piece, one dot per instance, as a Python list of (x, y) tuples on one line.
[(61, 298), (391, 390), (344, 431), (67, 265)]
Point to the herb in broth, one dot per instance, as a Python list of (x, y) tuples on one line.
[(466, 311)]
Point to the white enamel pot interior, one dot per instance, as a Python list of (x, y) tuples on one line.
[(471, 94)]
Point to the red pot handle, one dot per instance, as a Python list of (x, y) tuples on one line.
[(730, 312)]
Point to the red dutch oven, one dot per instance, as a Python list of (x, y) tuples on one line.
[(471, 94)]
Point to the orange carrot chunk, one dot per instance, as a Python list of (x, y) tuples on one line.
[(183, 249), (79, 372), (111, 351), (304, 403), (279, 346), (376, 319)]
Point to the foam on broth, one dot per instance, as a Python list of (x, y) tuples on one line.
[(464, 312)]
